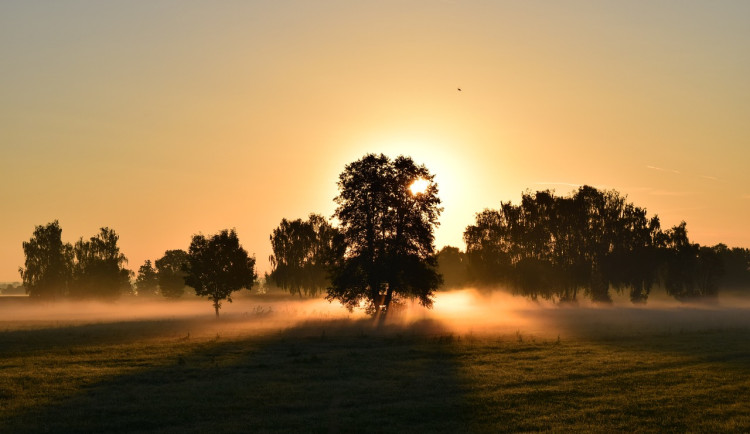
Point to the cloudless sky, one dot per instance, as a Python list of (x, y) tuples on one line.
[(161, 119)]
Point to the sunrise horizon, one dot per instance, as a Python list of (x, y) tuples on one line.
[(161, 121)]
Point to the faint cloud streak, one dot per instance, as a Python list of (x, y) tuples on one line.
[(658, 192), (661, 169)]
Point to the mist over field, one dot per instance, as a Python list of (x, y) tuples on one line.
[(478, 361), (462, 311)]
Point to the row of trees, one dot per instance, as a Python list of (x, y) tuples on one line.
[(167, 279), (592, 242), (304, 252), (88, 268), (382, 249), (214, 267)]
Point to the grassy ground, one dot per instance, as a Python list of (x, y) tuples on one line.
[(199, 375)]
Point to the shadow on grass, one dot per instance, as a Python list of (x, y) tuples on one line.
[(326, 376), (63, 335), (712, 333), (612, 371)]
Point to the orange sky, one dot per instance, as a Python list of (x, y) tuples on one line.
[(164, 119)]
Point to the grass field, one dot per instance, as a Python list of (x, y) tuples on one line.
[(576, 369)]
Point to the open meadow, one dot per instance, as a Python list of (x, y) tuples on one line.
[(474, 363)]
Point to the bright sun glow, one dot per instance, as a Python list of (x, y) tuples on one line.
[(419, 186)]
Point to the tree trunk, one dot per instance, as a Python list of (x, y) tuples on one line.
[(216, 308), (386, 306)]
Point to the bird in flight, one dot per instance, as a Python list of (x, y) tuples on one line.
[(459, 89)]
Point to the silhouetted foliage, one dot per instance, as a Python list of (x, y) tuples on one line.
[(13, 289), (171, 273), (487, 253), (48, 264), (690, 271), (303, 253), (736, 265), (452, 265), (387, 233), (218, 266), (98, 270), (555, 247), (147, 282)]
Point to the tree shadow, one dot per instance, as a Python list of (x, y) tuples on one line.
[(324, 376), (55, 335)]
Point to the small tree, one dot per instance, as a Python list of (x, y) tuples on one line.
[(171, 273), (147, 282), (218, 266), (48, 263)]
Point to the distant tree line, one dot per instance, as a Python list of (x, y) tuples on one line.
[(590, 242), (560, 248), (304, 251), (14, 288), (214, 267), (92, 268)]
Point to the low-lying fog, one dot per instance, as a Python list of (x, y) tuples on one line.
[(464, 311)]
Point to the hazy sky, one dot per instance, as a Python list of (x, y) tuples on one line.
[(161, 119)]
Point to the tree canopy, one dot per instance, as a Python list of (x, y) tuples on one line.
[(147, 282), (553, 247), (170, 270), (388, 233), (452, 265), (303, 252), (98, 270), (218, 266), (48, 264)]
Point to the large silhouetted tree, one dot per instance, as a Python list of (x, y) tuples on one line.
[(98, 271), (388, 234), (48, 263), (303, 252), (170, 269), (218, 266), (147, 282)]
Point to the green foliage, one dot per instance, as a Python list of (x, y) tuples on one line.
[(48, 264), (387, 233), (303, 252), (171, 273), (218, 266), (147, 282)]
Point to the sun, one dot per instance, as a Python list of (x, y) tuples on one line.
[(419, 186)]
